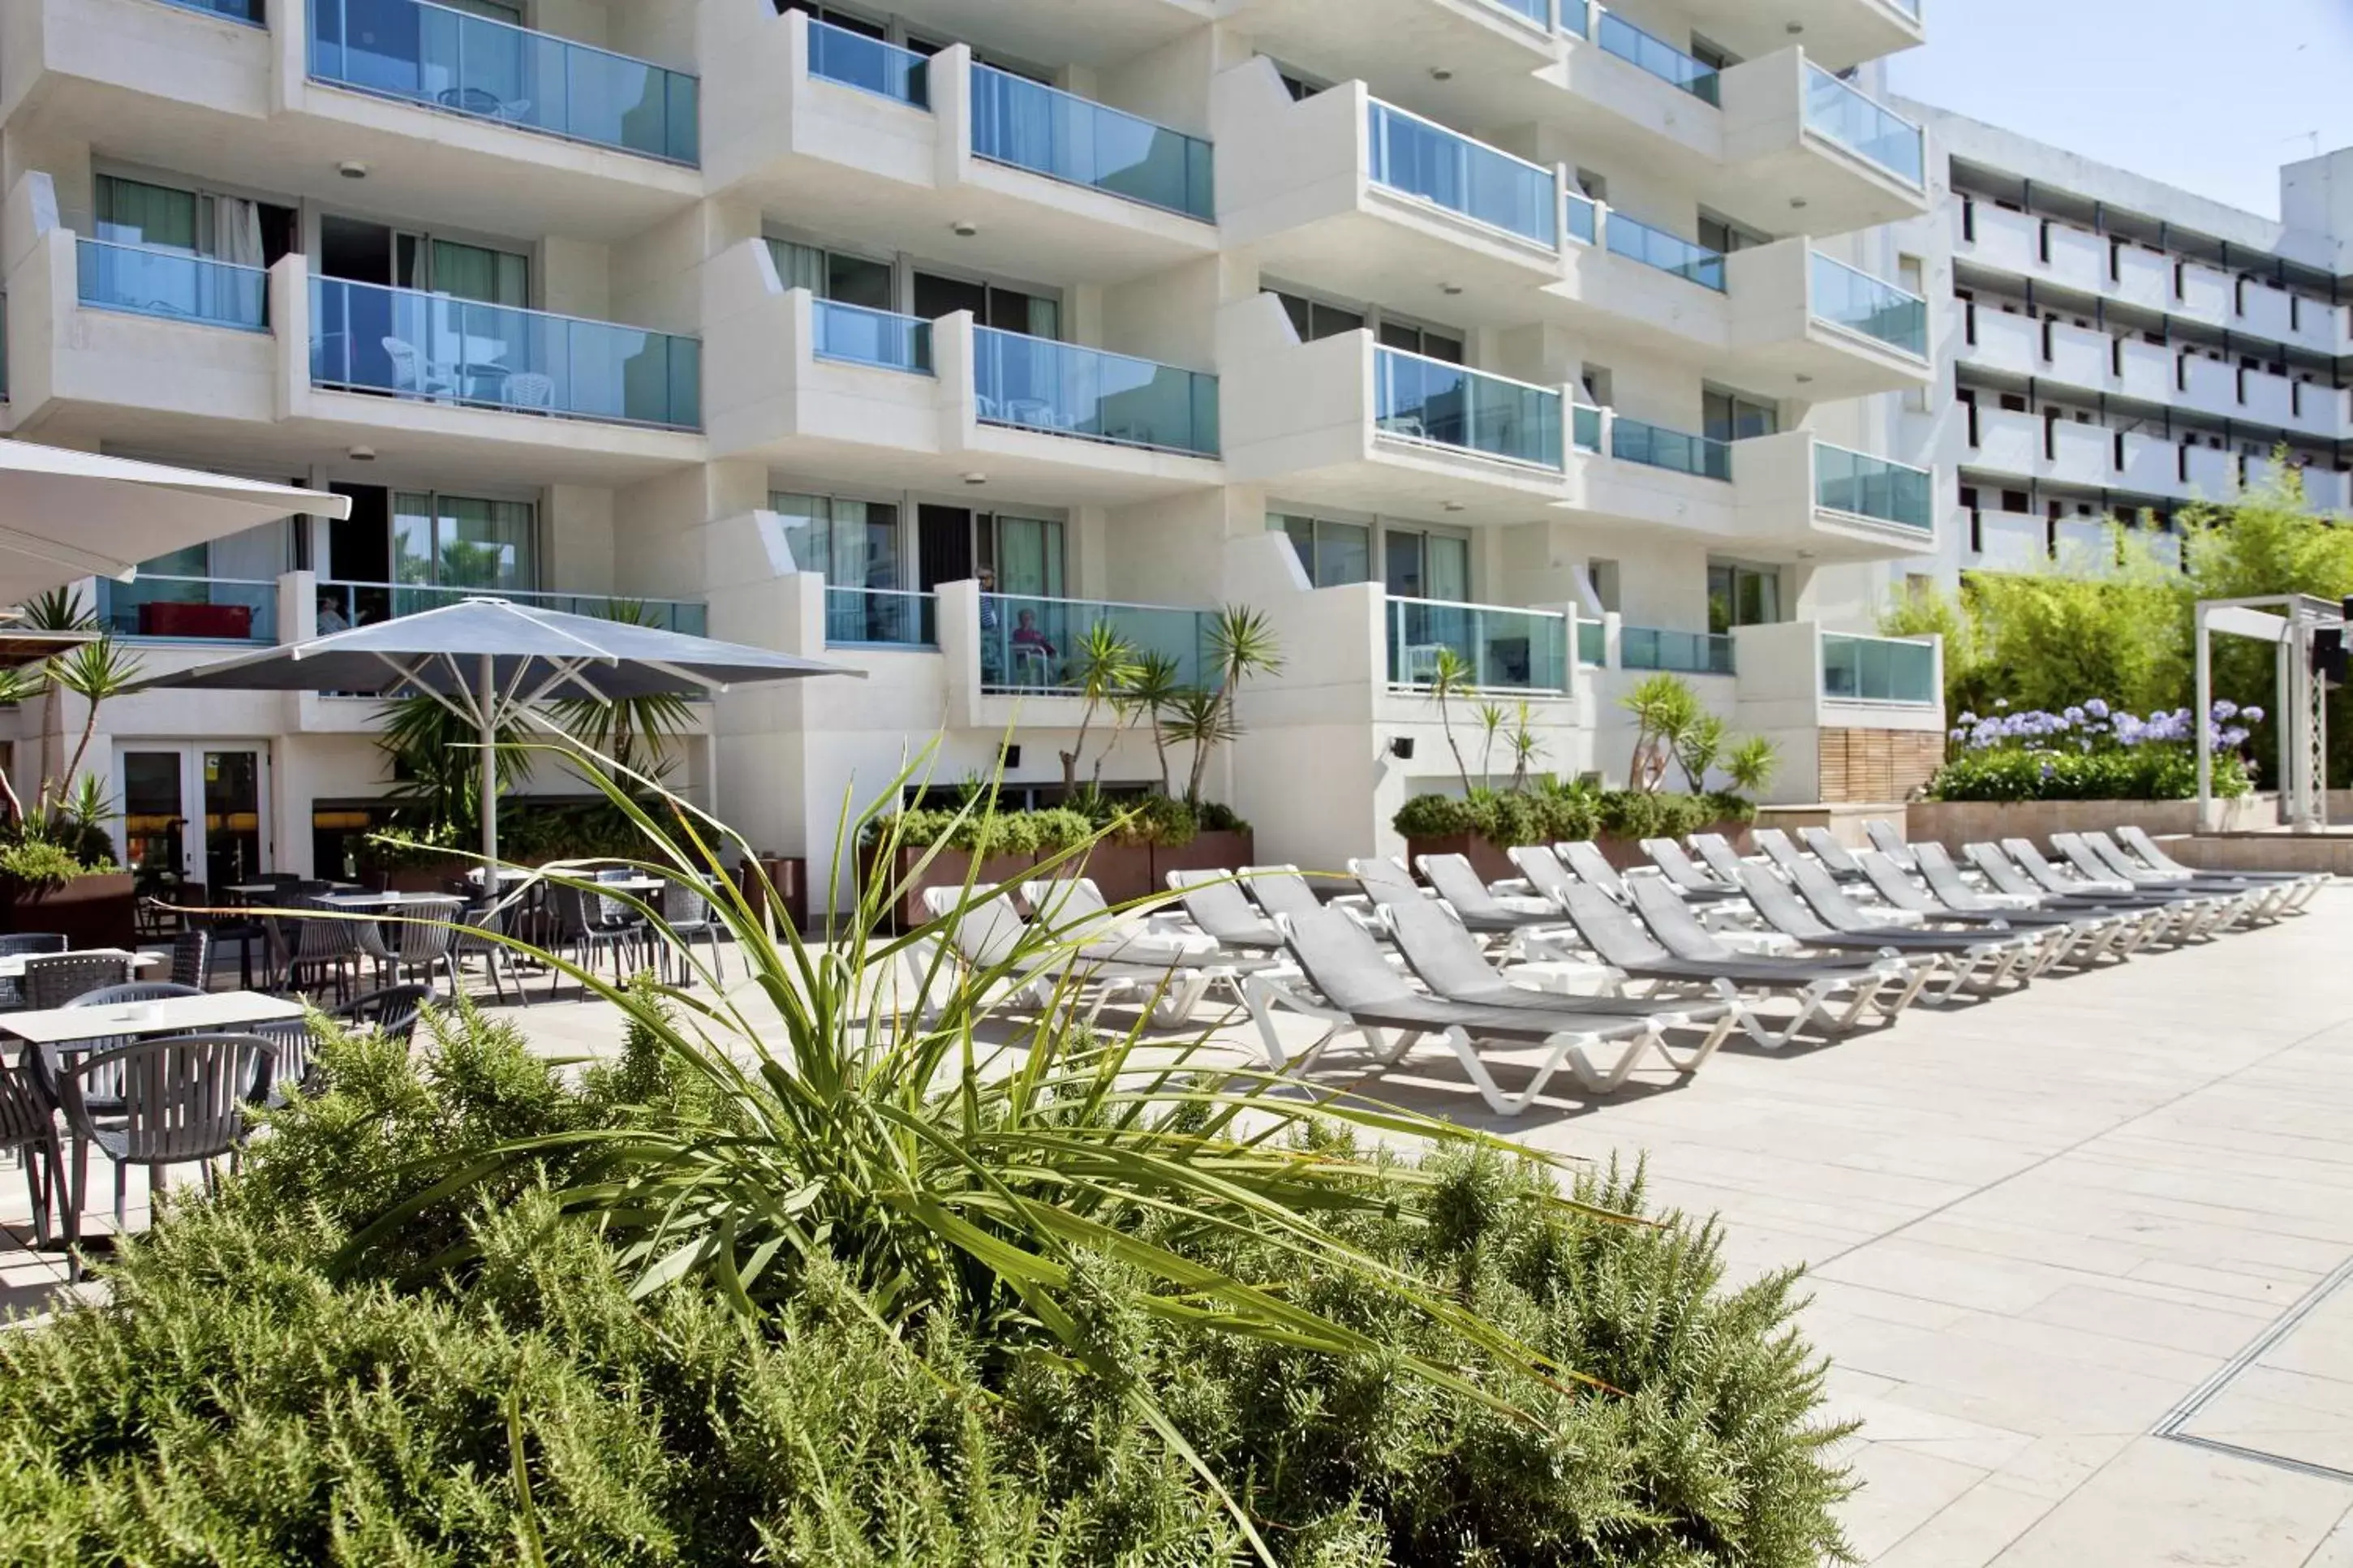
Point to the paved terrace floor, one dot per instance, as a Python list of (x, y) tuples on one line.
[(2083, 1257)]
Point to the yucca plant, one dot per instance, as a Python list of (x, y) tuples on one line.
[(895, 1124)]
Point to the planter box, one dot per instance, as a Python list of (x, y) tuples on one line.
[(1957, 822), (788, 874), (1203, 852), (89, 912), (1490, 859), (948, 868)]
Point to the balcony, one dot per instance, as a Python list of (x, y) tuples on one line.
[(867, 143), (1494, 648), (1434, 403), (437, 349), (1027, 125), (1794, 133), (882, 617), (171, 285), (190, 609), (1855, 300), (1676, 451), (1670, 253), (246, 10), (1878, 669), (1037, 384), (1032, 645), (1676, 653), (1857, 485), (869, 397), (456, 62), (1848, 116), (1838, 33), (1655, 55), (1415, 158), (364, 603)]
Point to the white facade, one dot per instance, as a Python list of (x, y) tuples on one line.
[(1503, 325), (2109, 347)]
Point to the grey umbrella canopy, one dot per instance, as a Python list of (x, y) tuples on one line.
[(492, 661)]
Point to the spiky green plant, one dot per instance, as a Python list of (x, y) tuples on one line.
[(1753, 765), (97, 673), (1101, 666), (895, 1123), (1449, 676), (1241, 646), (1156, 682)]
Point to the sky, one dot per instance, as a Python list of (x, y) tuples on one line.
[(2210, 95)]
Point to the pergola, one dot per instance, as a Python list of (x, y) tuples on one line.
[(2292, 624)]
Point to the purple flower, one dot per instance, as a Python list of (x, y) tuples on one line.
[(2225, 710), (1969, 719), (2096, 709), (2252, 715), (2073, 715)]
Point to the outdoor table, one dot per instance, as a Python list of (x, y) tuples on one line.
[(213, 1012), (386, 901), (274, 889), (12, 966)]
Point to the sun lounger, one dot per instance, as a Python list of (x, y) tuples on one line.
[(2210, 912), (986, 934), (1218, 907), (1889, 843), (1817, 913), (1479, 909), (2172, 919), (1825, 847), (1356, 992), (2097, 858), (2137, 839), (1678, 867), (2062, 934)]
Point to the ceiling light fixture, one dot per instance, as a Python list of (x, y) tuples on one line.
[(1440, 73), (964, 228), (362, 453), (352, 169), (1450, 288), (975, 479), (1454, 506)]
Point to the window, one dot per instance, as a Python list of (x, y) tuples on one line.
[(1426, 565), (2016, 501), (1713, 55), (132, 211), (1601, 578), (1329, 553), (991, 304), (1595, 185), (2012, 403), (835, 275), (462, 542), (854, 543), (1969, 498), (1736, 416), (1313, 319), (848, 22), (1724, 234), (1433, 342), (1739, 595), (1026, 553), (1596, 380)]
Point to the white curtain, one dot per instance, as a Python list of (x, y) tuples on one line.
[(237, 230)]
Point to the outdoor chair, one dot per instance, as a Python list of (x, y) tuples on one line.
[(2205, 915), (390, 1012), (1722, 859), (28, 1128), (2137, 839), (1665, 946), (582, 933), (1689, 879), (1823, 845), (1355, 991), (478, 932), (2169, 920), (55, 980), (2263, 899), (319, 949), (1481, 911), (1387, 868), (985, 935), (687, 911), (181, 1102), (191, 954), (424, 938), (1074, 909), (25, 945), (1217, 906), (1889, 843), (2061, 932), (1835, 924)]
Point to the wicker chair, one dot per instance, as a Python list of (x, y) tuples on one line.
[(192, 959), (28, 1125), (56, 980), (183, 1103), (25, 945)]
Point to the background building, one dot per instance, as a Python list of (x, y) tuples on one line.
[(2108, 346), (1568, 339)]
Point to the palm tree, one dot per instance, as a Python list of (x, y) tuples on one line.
[(1751, 765), (1665, 709), (437, 758), (1241, 644), (634, 730), (58, 610), (1449, 676), (95, 673), (16, 685), (1102, 666), (1148, 693), (1699, 748)]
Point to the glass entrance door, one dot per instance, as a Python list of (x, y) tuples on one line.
[(192, 814)]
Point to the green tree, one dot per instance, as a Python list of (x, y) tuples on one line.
[(1101, 667), (1241, 645), (1666, 709)]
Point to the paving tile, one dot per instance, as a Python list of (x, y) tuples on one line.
[(1973, 1528), (2164, 1502), (1902, 1491)]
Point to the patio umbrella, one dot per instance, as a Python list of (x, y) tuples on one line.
[(65, 514), (492, 661)]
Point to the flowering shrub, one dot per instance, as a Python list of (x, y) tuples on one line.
[(2091, 751)]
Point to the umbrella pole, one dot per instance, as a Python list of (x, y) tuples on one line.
[(490, 718)]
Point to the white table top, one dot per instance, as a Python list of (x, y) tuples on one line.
[(12, 966), (219, 1010), (270, 890), (383, 901)]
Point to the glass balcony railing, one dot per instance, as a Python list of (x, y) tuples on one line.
[(489, 69), (1677, 653), (1592, 643), (1865, 485), (881, 617), (1878, 669), (1445, 405), (1535, 11), (246, 10), (1656, 446), (365, 338), (859, 336), (1667, 252), (853, 60), (171, 284), (1037, 384), (1029, 644), (200, 609), (1661, 58), (1575, 18), (1843, 112), (1585, 427), (365, 603), (1414, 157), (1500, 649), (1583, 218), (1861, 303), (1030, 126)]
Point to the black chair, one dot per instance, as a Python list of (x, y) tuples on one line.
[(25, 945), (29, 1126), (391, 1012), (687, 911), (55, 980), (192, 958)]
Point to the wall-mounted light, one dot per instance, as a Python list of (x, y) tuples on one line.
[(1011, 755), (1401, 747)]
